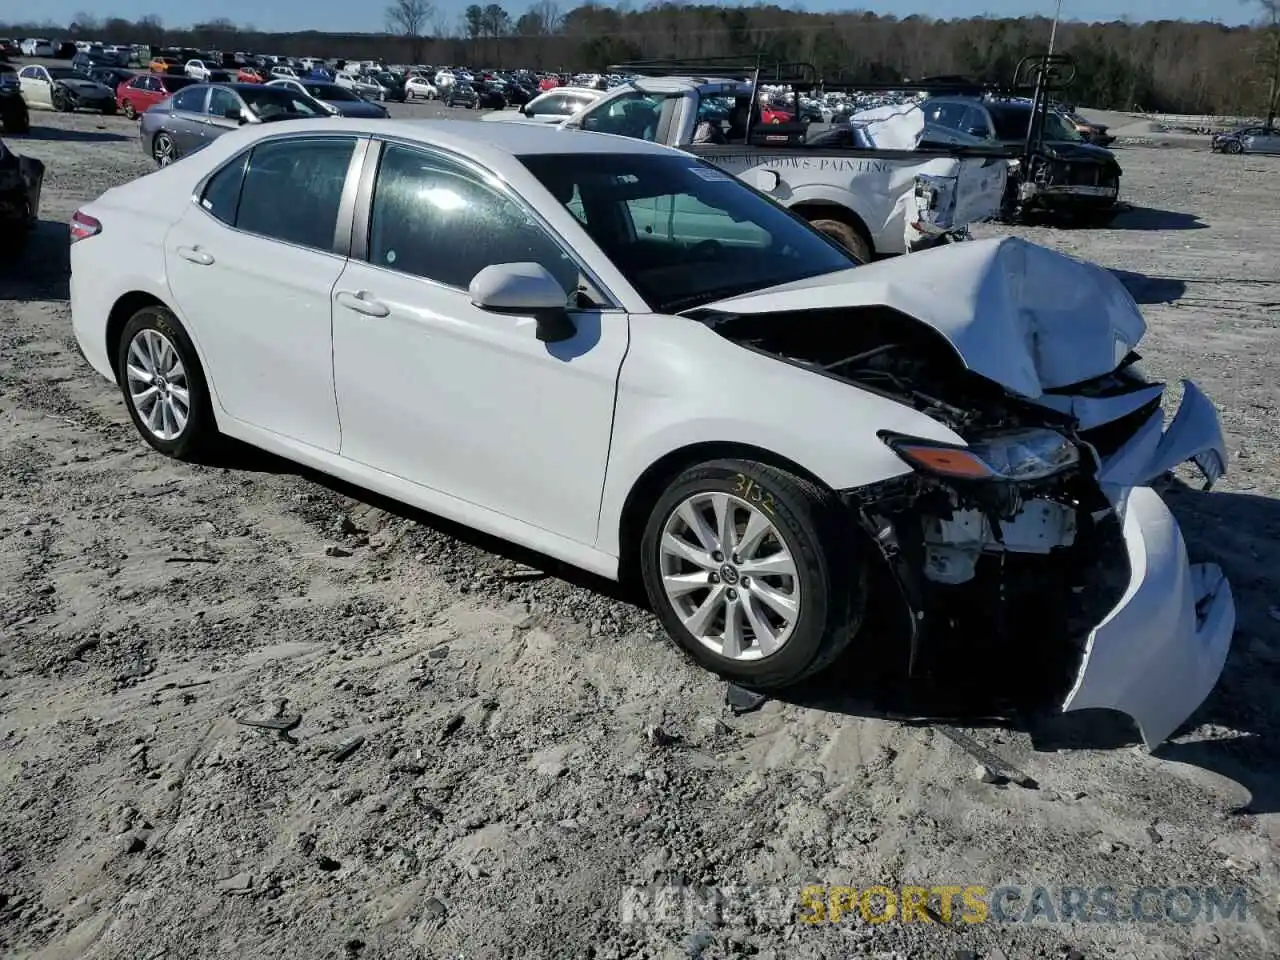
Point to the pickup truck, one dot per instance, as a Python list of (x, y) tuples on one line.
[(874, 202)]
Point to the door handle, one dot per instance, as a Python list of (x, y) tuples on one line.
[(362, 302), (195, 255)]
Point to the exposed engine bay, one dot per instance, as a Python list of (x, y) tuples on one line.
[(947, 539)]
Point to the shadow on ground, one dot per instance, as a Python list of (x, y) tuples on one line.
[(42, 271), (1148, 218), (1149, 290), (70, 136)]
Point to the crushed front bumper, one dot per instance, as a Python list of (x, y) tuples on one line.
[(1160, 651), (1095, 564)]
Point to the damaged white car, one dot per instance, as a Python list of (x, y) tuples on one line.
[(616, 354)]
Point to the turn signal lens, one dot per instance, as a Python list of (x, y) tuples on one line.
[(84, 226), (1013, 455)]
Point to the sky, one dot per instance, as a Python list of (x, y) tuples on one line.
[(342, 15)]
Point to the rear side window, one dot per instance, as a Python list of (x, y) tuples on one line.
[(191, 100), (292, 189), (221, 195)]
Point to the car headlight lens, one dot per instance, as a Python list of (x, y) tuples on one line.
[(1015, 455)]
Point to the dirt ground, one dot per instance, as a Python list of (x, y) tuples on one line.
[(521, 747)]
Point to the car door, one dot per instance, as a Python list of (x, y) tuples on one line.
[(216, 122), (36, 87), (252, 264), (468, 402), (186, 121)]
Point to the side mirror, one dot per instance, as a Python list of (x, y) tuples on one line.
[(526, 289)]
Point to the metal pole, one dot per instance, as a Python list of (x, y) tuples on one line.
[(1053, 33)]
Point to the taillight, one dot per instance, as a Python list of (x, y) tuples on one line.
[(84, 226)]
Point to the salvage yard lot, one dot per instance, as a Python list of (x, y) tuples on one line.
[(519, 747)]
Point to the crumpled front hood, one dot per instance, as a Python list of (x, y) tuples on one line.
[(1071, 150), (1020, 314)]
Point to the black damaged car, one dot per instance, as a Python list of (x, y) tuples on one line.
[(1064, 175), (20, 181)]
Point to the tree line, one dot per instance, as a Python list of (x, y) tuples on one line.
[(1160, 66)]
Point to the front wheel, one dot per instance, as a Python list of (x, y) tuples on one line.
[(163, 385), (1233, 146), (753, 571), (130, 111), (847, 236), (163, 149)]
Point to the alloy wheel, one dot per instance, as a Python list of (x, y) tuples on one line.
[(163, 150), (729, 576), (158, 384)]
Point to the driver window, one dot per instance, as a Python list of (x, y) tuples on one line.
[(632, 115), (431, 218), (220, 101), (549, 105)]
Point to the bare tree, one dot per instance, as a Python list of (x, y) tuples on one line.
[(1269, 54), (409, 18)]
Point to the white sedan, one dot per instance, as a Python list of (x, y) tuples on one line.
[(420, 87), (538, 335)]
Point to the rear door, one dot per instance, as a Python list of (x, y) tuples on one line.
[(186, 125), (252, 265), (36, 87)]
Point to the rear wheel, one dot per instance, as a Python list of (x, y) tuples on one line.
[(163, 385), (130, 111), (753, 571), (847, 236)]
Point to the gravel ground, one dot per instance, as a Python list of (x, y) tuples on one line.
[(519, 745)]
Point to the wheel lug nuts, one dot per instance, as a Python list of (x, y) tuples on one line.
[(714, 578), (718, 557), (737, 559), (733, 594), (746, 581)]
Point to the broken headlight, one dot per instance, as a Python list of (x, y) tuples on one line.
[(1017, 455)]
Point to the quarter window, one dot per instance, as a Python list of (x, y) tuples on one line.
[(222, 193), (292, 189), (434, 219)]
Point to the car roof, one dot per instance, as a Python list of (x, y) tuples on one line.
[(489, 142)]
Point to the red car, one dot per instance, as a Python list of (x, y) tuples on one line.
[(146, 90), (250, 75), (548, 83)]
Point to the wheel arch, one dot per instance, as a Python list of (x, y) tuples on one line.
[(121, 312), (831, 210), (648, 487)]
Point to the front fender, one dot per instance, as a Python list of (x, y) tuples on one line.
[(683, 385)]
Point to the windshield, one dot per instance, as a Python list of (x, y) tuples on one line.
[(330, 91), (270, 103), (683, 232), (1012, 123)]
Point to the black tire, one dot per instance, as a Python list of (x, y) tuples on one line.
[(199, 437), (1233, 146), (129, 110), (817, 531), (109, 109), (60, 102), (847, 236)]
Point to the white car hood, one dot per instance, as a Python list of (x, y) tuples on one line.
[(1020, 314)]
